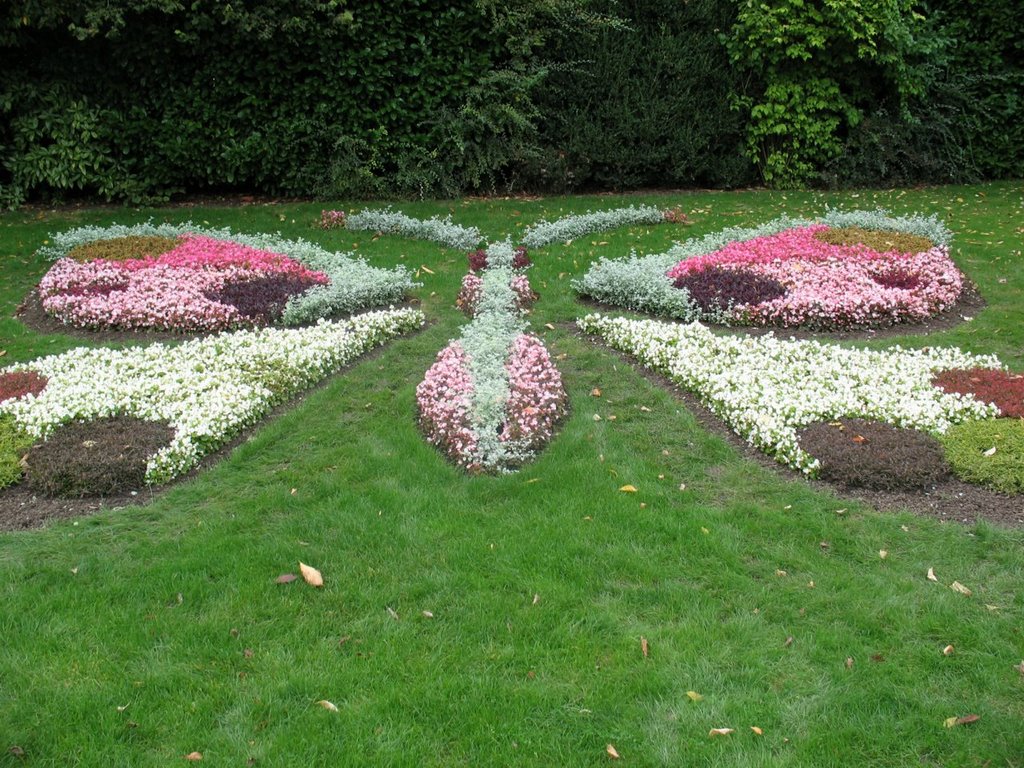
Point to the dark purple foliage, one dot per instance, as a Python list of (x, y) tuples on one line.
[(716, 287), (261, 300), (478, 259), (898, 278)]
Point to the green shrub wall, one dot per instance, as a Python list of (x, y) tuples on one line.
[(138, 100)]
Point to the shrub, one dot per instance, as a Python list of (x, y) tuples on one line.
[(989, 452), (121, 248), (858, 453), (262, 299), (14, 443), (20, 383), (881, 240), (718, 288), (990, 385), (104, 457)]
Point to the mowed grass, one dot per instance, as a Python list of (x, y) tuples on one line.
[(140, 635)]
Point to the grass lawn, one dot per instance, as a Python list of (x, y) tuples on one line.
[(529, 619)]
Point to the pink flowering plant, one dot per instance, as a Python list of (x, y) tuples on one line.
[(472, 289), (332, 219), (493, 398), (833, 286), (181, 290)]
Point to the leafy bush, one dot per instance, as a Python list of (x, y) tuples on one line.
[(122, 248), (570, 227), (989, 385), (14, 444), (988, 452), (104, 457), (718, 288), (20, 383), (389, 222), (858, 453), (880, 240)]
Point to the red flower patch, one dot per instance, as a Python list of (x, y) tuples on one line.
[(1004, 390), (19, 383)]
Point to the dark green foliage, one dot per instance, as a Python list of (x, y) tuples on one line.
[(646, 104), (97, 458), (988, 452), (717, 288), (13, 445), (858, 453)]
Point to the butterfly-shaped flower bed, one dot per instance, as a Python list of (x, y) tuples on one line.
[(183, 278), (854, 270)]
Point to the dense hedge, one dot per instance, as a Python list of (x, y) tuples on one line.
[(141, 99)]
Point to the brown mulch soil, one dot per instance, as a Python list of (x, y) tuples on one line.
[(950, 500), (970, 304)]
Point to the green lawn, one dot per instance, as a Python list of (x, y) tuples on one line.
[(139, 635)]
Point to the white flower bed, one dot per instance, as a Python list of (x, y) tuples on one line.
[(766, 388), (571, 227), (441, 231), (208, 389)]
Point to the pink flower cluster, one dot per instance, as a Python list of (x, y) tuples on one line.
[(472, 289), (332, 219), (173, 291), (537, 399), (836, 286), (443, 398)]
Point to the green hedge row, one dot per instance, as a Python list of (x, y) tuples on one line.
[(142, 99)]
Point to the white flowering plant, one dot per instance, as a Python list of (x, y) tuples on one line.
[(208, 389), (766, 389)]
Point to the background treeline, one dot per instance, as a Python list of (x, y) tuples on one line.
[(139, 100)]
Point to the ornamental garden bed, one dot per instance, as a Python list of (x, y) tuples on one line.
[(185, 279), (845, 272)]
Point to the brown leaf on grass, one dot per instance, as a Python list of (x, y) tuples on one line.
[(849, 662), (1020, 667), (612, 752), (948, 650), (877, 658), (595, 392), (328, 705), (883, 553), (757, 730), (426, 269), (428, 614), (694, 696), (931, 575), (285, 578), (312, 576), (194, 757), (721, 732), (789, 642), (859, 439), (16, 750), (990, 452), (628, 489), (956, 586), (968, 719), (392, 613), (549, 326), (645, 648)]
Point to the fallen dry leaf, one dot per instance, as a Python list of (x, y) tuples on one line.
[(967, 719), (956, 586), (990, 452), (883, 553), (612, 752), (549, 326), (1020, 667), (849, 662), (948, 650), (757, 730), (628, 489), (286, 578), (312, 576), (694, 696), (645, 647), (789, 642), (428, 615), (195, 757), (720, 732), (595, 392), (392, 612), (931, 575), (426, 269), (328, 705), (780, 572)]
